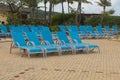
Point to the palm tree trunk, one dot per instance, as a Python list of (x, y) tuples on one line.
[(62, 6), (50, 13), (77, 13), (68, 6), (45, 9), (53, 6), (80, 10), (102, 17), (62, 11)]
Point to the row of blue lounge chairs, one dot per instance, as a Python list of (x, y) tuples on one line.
[(33, 42), (85, 31)]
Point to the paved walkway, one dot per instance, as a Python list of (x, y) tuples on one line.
[(93, 66)]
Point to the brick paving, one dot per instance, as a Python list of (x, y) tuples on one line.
[(82, 66)]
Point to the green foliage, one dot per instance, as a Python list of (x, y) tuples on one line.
[(13, 19), (107, 20), (63, 19), (30, 21), (94, 20), (54, 28)]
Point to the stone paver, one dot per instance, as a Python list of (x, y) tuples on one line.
[(92, 66)]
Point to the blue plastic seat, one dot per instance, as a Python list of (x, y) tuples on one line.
[(34, 40), (47, 37), (19, 42), (35, 30), (115, 29), (3, 31), (91, 31), (76, 39), (107, 31), (64, 40), (100, 32), (83, 31), (62, 28)]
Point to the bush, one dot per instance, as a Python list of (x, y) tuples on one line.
[(54, 28), (59, 19), (107, 20), (13, 19)]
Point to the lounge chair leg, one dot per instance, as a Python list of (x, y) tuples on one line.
[(10, 50), (59, 51), (28, 55), (21, 53), (98, 49), (45, 52), (73, 50), (11, 47), (87, 49)]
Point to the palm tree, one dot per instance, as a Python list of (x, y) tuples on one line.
[(69, 1), (79, 10), (104, 4), (45, 2), (50, 11)]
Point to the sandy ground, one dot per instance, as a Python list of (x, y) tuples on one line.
[(82, 66)]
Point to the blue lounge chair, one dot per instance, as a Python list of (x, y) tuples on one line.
[(91, 31), (4, 31), (115, 29), (62, 28), (34, 40), (64, 40), (35, 30), (14, 29), (73, 28), (100, 32), (47, 37), (83, 31), (107, 31), (46, 29), (19, 42), (23, 29), (76, 39)]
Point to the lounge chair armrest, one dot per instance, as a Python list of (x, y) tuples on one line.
[(32, 43), (63, 42), (75, 41), (17, 44), (47, 42), (80, 32)]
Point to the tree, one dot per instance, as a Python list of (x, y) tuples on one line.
[(104, 4), (79, 10), (69, 1), (14, 5)]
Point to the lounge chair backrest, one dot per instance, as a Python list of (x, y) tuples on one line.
[(23, 28), (75, 36), (4, 29), (69, 28), (62, 37), (46, 29), (62, 28), (14, 29), (107, 28), (83, 29), (40, 28), (47, 36), (18, 38), (90, 29), (99, 29), (33, 38), (34, 29), (115, 29)]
